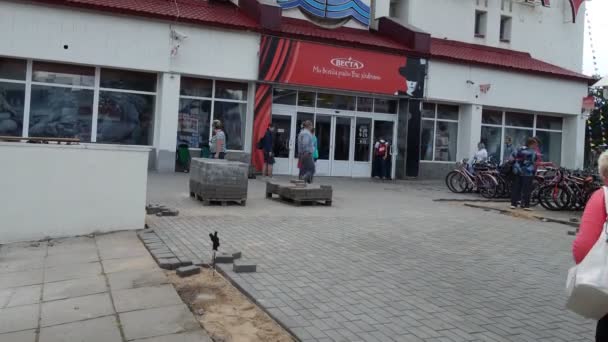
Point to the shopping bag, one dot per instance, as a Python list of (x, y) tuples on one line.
[(587, 282)]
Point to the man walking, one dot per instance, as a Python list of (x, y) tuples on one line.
[(268, 148), (306, 149)]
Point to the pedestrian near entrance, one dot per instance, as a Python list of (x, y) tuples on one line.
[(306, 149), (217, 144), (592, 223), (315, 154), (381, 153), (268, 148), (524, 168)]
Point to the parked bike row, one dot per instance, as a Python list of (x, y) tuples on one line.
[(553, 188)]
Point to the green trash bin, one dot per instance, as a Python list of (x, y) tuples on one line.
[(205, 152), (183, 157)]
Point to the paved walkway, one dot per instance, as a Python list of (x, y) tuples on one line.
[(386, 263), (102, 289)]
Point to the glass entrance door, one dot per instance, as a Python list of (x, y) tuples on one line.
[(323, 133), (342, 160), (284, 142), (384, 130)]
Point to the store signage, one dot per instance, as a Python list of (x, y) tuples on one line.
[(316, 65), (331, 12), (588, 103)]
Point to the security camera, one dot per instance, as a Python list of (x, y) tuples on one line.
[(179, 36)]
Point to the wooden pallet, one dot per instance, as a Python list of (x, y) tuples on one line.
[(219, 201), (298, 193)]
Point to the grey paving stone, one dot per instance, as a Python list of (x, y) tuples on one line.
[(74, 288), (18, 318), (75, 271), (145, 298), (20, 336), (186, 271), (158, 322), (169, 264), (103, 329), (76, 309), (136, 278), (18, 263), (72, 245), (23, 295), (191, 336), (244, 266), (128, 264), (22, 278)]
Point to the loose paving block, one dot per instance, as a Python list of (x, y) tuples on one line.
[(103, 329), (186, 271), (224, 258), (158, 322), (136, 278), (147, 297), (235, 254), (18, 318), (169, 264), (20, 336), (76, 309), (74, 288), (243, 266)]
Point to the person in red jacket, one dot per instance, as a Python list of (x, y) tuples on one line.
[(592, 223)]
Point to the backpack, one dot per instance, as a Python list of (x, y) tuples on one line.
[(381, 151)]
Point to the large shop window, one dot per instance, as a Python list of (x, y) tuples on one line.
[(204, 100), (66, 99), (439, 136), (12, 96), (504, 132)]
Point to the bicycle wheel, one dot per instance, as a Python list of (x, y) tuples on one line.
[(457, 182), (555, 197), (535, 194), (488, 186)]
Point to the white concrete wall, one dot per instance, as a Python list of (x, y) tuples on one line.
[(54, 191), (547, 33), (528, 92), (41, 31)]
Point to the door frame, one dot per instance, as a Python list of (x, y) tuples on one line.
[(286, 111)]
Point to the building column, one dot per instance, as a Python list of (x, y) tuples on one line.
[(166, 121), (573, 142), (469, 130)]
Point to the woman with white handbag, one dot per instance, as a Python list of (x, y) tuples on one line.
[(587, 284)]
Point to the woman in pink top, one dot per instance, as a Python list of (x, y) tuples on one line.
[(592, 223)]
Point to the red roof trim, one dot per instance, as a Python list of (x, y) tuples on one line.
[(498, 58)]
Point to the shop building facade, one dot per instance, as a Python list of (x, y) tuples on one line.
[(158, 73)]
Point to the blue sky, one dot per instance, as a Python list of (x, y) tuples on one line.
[(598, 15)]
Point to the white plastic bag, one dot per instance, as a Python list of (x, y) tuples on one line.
[(587, 283)]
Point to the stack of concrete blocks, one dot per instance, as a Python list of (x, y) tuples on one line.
[(242, 157), (218, 180)]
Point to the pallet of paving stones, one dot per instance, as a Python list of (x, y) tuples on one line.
[(219, 181), (300, 193)]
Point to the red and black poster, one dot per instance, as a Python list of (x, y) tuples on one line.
[(287, 61)]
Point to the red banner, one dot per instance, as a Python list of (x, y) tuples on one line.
[(323, 66)]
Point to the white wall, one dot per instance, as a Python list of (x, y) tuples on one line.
[(546, 33), (55, 191), (41, 31), (513, 90)]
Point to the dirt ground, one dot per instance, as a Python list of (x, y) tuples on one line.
[(225, 313)]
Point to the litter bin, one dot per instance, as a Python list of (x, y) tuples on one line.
[(205, 151), (183, 157)]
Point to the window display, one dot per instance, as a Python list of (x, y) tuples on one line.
[(439, 136), (125, 118), (193, 125), (128, 80), (60, 112), (67, 74), (12, 98), (232, 115), (502, 140), (363, 139)]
